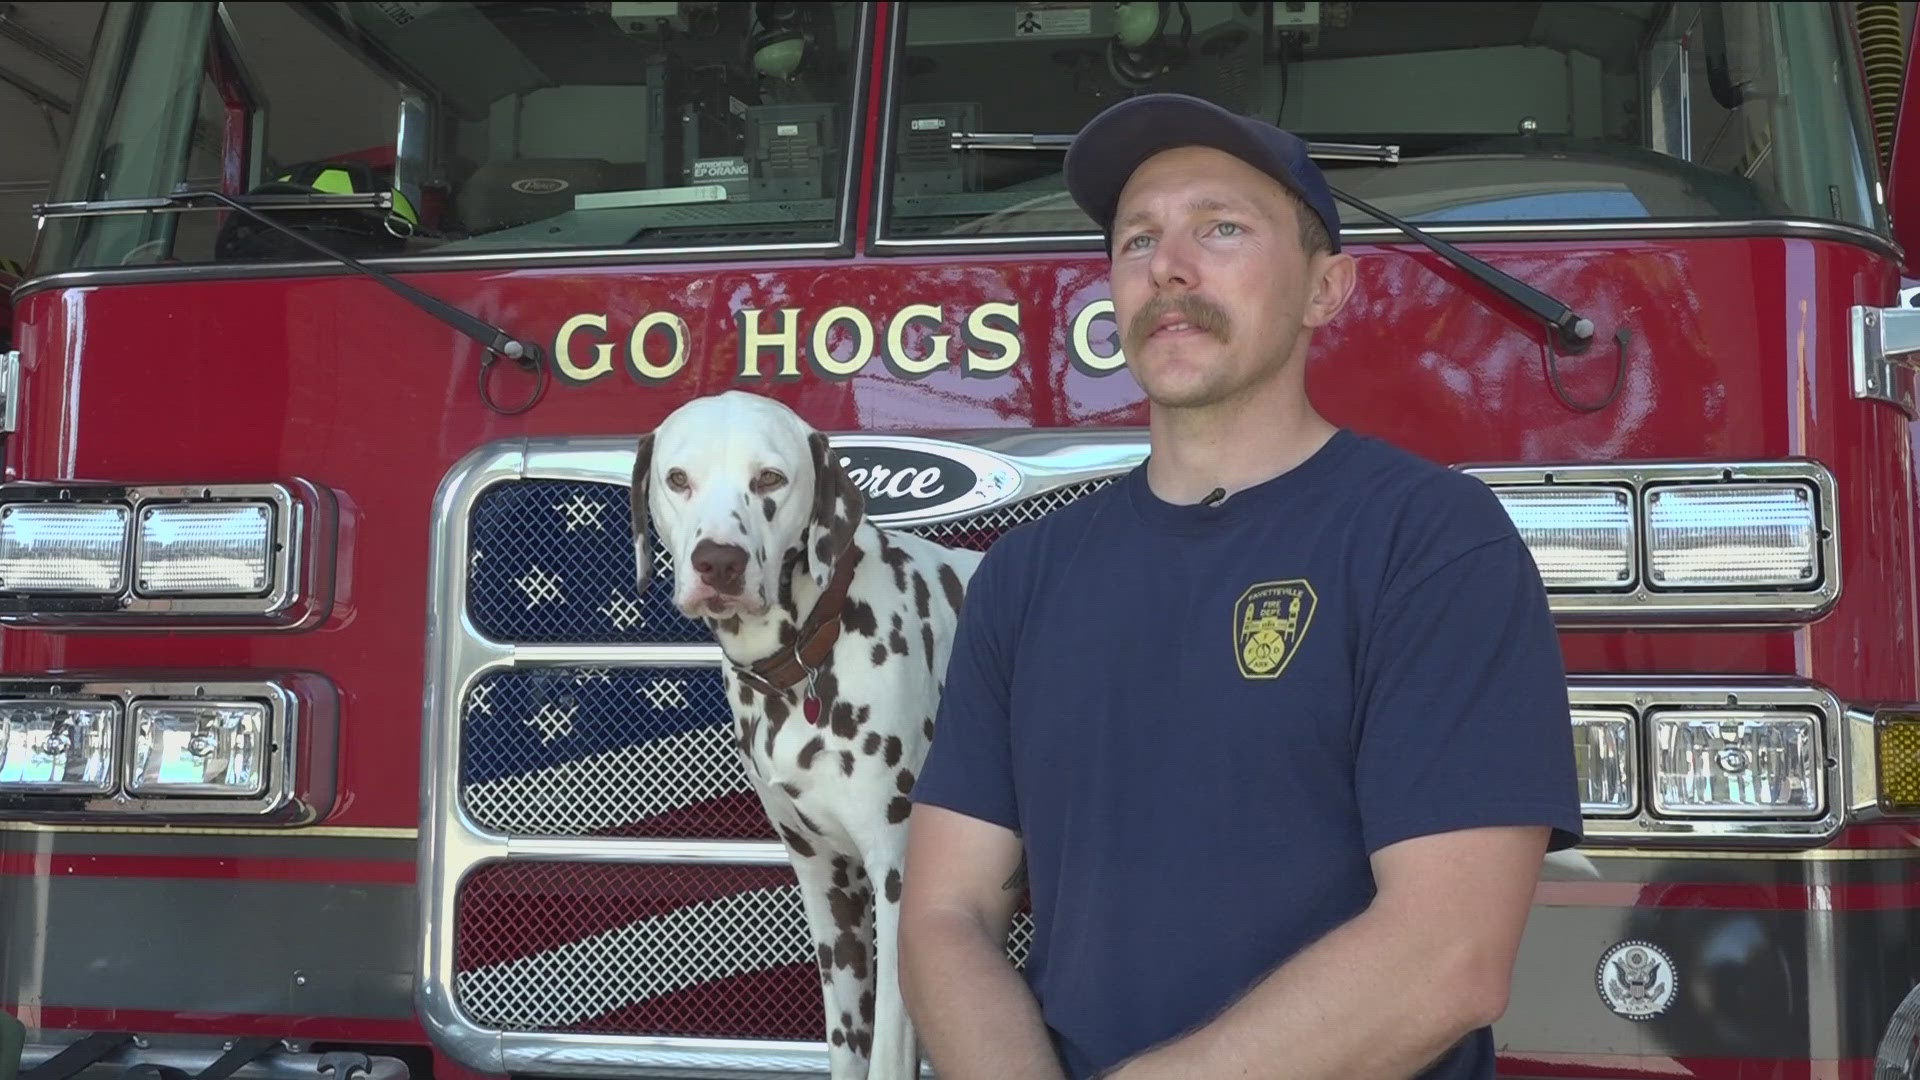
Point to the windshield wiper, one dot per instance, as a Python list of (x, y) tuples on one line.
[(1574, 330), (1029, 140), (171, 204), (527, 355)]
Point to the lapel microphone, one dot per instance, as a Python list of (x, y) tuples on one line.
[(1213, 497)]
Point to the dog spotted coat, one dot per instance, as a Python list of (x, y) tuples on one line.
[(834, 758)]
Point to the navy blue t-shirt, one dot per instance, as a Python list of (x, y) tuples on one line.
[(1203, 720)]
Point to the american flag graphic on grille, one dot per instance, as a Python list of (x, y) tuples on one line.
[(585, 751), (596, 751), (696, 951), (552, 562)]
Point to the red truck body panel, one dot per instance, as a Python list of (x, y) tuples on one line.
[(1723, 343)]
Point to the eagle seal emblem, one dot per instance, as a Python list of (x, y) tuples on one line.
[(1636, 980), (1269, 621)]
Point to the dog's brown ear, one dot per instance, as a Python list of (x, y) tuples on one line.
[(837, 508), (637, 495)]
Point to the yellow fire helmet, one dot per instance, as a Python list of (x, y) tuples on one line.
[(350, 230), (349, 178)]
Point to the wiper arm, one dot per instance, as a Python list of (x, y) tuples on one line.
[(319, 200), (497, 342), (1575, 331), (1029, 140)]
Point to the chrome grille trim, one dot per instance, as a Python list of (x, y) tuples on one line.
[(474, 1019), (957, 533)]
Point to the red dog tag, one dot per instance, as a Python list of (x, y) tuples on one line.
[(811, 705)]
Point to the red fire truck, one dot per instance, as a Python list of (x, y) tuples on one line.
[(336, 741)]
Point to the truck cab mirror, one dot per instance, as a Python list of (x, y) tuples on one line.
[(1725, 89)]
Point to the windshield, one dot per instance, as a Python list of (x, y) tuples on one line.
[(490, 127), (1500, 113)]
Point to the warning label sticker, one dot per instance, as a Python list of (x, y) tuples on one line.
[(1052, 20)]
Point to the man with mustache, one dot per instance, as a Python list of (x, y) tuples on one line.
[(1274, 730)]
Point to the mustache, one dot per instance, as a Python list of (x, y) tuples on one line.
[(1202, 313)]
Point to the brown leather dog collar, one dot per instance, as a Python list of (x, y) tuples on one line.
[(797, 662)]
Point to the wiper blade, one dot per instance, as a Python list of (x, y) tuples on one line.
[(1384, 153), (1029, 140), (170, 204), (1575, 331), (527, 355)]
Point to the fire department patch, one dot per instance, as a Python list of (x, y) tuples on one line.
[(1636, 980), (1269, 621)]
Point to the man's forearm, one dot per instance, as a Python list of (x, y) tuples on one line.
[(972, 1011), (1376, 999)]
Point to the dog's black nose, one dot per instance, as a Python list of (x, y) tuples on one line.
[(722, 566)]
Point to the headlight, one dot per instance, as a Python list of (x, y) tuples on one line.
[(189, 556), (57, 548), (199, 748), (1652, 543), (1605, 752), (57, 747), (1675, 759), (1737, 763), (216, 550), (1580, 538), (1731, 535), (259, 751)]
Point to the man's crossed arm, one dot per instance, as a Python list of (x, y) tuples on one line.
[(1391, 990), (1381, 996), (972, 1011)]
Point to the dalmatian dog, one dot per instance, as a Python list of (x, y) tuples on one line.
[(836, 634)]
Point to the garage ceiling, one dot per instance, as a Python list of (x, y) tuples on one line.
[(43, 55)]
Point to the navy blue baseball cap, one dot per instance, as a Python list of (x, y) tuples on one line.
[(1113, 144)]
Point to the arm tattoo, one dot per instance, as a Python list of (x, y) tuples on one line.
[(1019, 878)]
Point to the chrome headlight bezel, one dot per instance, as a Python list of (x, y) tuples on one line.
[(1632, 780), (301, 560), (145, 782), (106, 742), (13, 512), (1645, 602), (1645, 696), (301, 733), (269, 516), (1657, 501), (1661, 721)]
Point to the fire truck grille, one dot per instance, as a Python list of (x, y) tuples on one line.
[(699, 951), (561, 747), (593, 751), (552, 562), (981, 530), (567, 750)]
